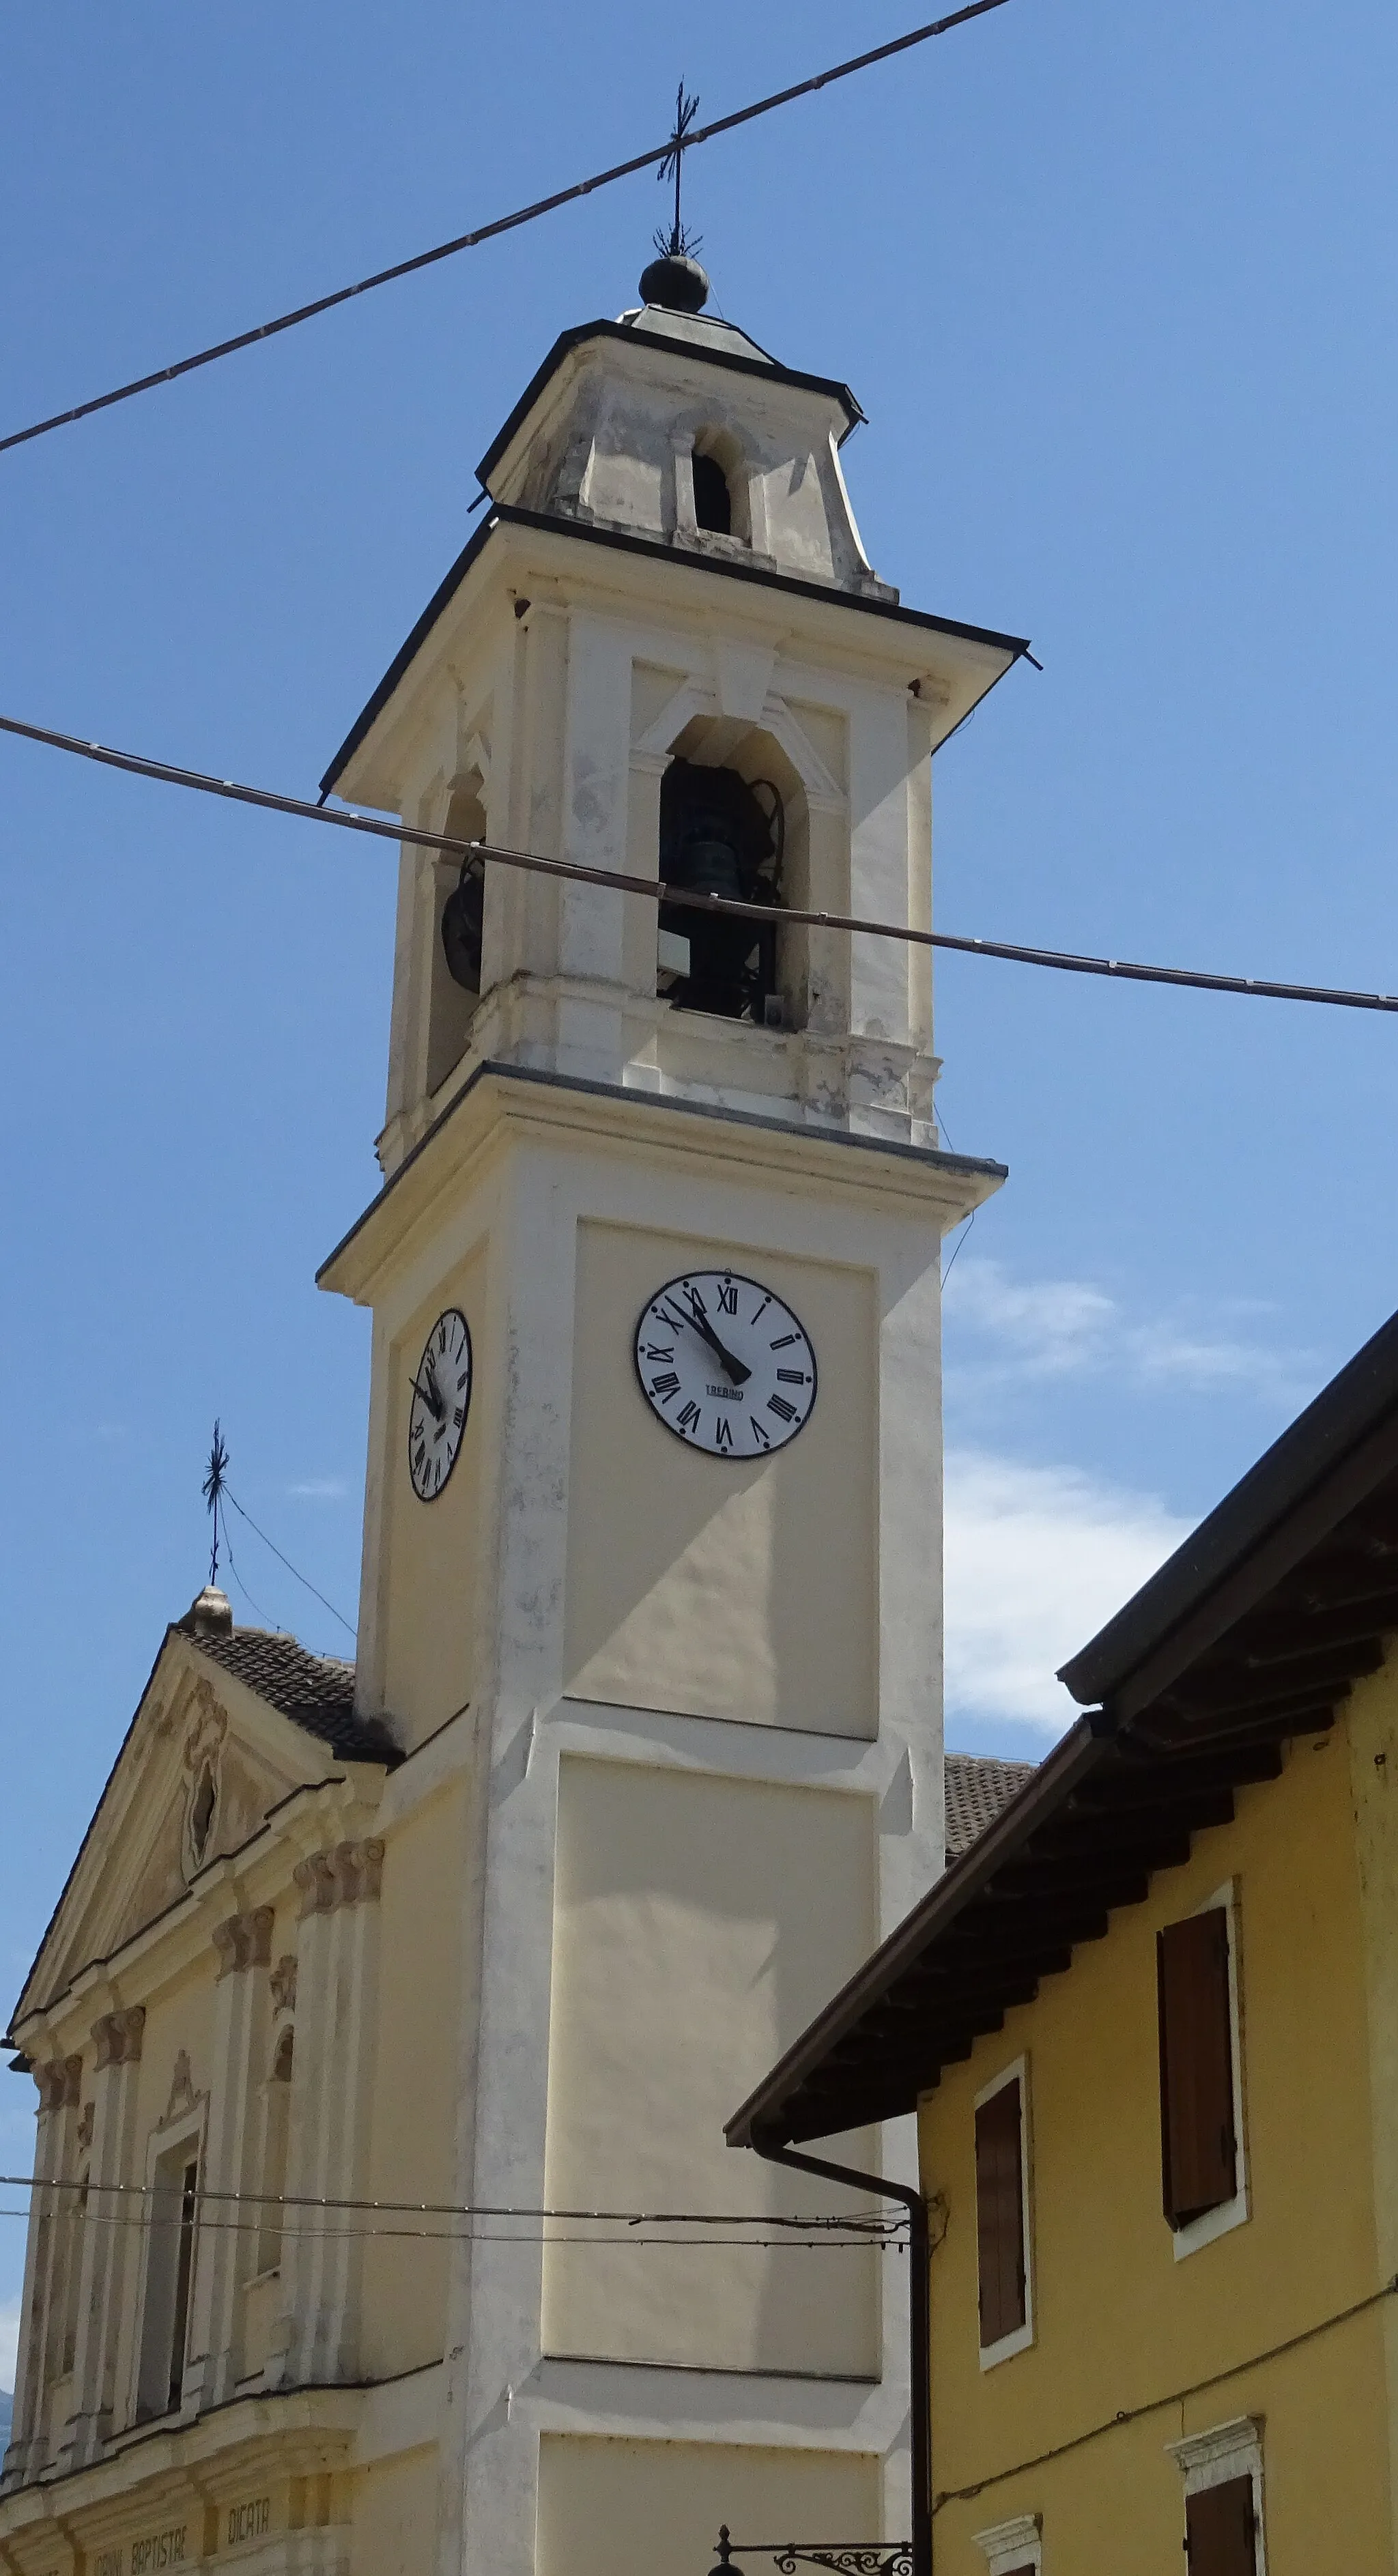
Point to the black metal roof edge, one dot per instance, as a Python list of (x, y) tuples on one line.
[(505, 514), (770, 369), (927, 1157), (1356, 1401), (1079, 1752)]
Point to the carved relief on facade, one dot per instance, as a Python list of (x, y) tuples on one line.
[(59, 2083), (202, 1765), (350, 1873), (244, 1940), (117, 2037), (283, 1983), (182, 2093)]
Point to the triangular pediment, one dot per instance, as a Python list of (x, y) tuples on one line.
[(205, 1759)]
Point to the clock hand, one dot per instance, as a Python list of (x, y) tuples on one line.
[(700, 1321), (431, 1396)]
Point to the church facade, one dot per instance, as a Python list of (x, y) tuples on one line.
[(381, 2004)]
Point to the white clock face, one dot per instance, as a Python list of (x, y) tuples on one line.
[(725, 1365), (441, 1402)]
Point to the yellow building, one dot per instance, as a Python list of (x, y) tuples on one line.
[(1149, 2022), (358, 1976)]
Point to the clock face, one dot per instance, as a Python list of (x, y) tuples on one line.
[(441, 1402), (725, 1365)]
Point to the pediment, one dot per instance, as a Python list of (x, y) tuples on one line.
[(204, 1761)]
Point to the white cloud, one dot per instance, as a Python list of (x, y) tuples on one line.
[(1037, 1559), (319, 1489), (1001, 1329), (9, 2342)]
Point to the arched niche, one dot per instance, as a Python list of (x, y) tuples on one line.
[(811, 974), (451, 999)]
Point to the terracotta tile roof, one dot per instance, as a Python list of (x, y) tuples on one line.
[(315, 1691), (977, 1787)]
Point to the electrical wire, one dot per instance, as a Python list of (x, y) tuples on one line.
[(871, 2222), (243, 1515), (1176, 2397), (485, 2236), (660, 152), (1065, 961)]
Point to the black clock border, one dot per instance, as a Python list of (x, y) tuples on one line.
[(433, 1328), (725, 1457)]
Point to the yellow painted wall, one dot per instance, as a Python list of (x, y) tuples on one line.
[(393, 2529), (699, 1923), (612, 2508), (750, 1587), (413, 2107), (432, 1553), (1119, 2321)]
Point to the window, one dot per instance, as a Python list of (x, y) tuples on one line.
[(1200, 2145), (169, 2274), (1223, 2499), (713, 501), (1002, 2218)]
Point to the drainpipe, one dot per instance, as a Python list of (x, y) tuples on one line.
[(919, 2326)]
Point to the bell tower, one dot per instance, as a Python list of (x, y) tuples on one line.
[(651, 1578)]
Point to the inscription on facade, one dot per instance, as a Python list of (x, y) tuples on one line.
[(109, 2563), (160, 2549), (248, 2521)]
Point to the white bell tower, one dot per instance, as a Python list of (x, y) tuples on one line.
[(681, 1675)]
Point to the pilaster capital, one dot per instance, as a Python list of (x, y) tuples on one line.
[(117, 2037), (244, 1940)]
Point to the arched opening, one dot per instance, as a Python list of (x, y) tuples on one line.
[(720, 479), (458, 919), (713, 502), (721, 835)]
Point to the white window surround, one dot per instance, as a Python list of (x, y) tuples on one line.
[(180, 2138), (1229, 2213), (1232, 2450), (1011, 2545), (1005, 2348)]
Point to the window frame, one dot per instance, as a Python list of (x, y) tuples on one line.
[(1020, 2338), (1013, 2548), (1227, 2214), (1227, 2451), (183, 2141)]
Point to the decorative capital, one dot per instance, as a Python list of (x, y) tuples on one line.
[(107, 2040), (316, 1879), (244, 1940)]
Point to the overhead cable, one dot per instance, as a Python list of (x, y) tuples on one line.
[(694, 136), (842, 2222), (654, 890)]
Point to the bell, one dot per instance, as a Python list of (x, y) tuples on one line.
[(463, 918), (709, 863)]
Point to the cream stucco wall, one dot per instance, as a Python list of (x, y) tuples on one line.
[(429, 1570), (723, 1588), (617, 2508), (415, 2092), (698, 1924), (1120, 2322)]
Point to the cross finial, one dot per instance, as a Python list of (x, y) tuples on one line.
[(677, 243), (213, 1492)]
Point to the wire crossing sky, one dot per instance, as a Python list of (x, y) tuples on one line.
[(666, 157)]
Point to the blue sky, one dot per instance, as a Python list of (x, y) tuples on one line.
[(1115, 289)]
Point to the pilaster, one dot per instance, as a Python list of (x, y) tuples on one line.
[(58, 2083), (243, 1945), (108, 2233)]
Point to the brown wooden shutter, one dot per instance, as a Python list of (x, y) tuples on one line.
[(1000, 2213), (1220, 2529), (1198, 2142)]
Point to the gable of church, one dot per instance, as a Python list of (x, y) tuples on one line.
[(228, 1726)]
